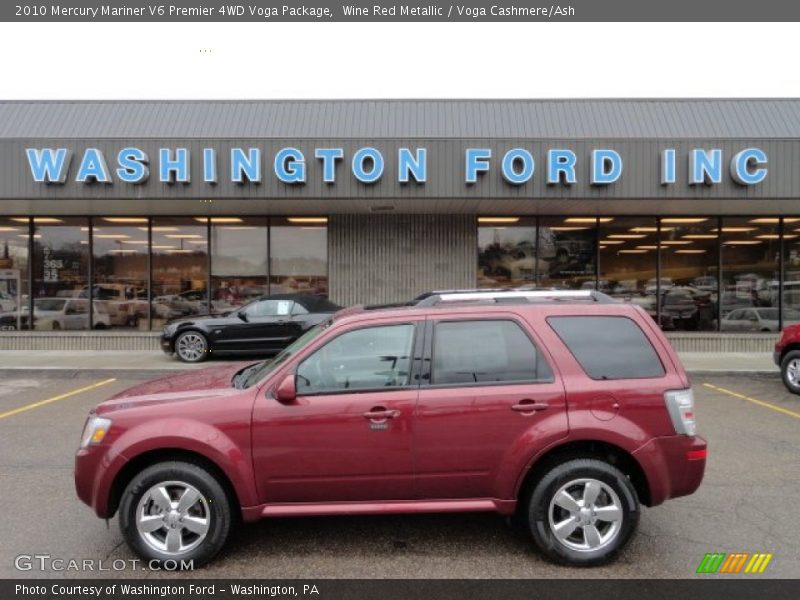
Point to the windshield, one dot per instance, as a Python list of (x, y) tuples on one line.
[(258, 371)]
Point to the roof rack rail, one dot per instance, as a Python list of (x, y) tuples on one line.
[(512, 294)]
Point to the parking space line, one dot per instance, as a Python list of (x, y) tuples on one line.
[(33, 405), (769, 405)]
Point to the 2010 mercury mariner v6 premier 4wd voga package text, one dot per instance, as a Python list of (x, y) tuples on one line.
[(565, 411)]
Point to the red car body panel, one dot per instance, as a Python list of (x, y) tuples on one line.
[(789, 340), (448, 448)]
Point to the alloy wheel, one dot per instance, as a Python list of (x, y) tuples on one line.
[(191, 347), (585, 515), (793, 372), (173, 517)]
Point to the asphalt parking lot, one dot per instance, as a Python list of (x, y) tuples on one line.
[(746, 503)]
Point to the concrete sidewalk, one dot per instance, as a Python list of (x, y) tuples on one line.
[(143, 364)]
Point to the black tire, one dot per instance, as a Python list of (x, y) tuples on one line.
[(218, 504), (553, 481), (193, 357), (790, 359)]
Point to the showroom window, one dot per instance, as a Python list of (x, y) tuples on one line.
[(567, 248), (179, 268), (750, 274), (791, 271), (506, 251), (13, 273), (688, 285), (628, 258), (61, 272), (299, 255), (239, 250), (120, 272)]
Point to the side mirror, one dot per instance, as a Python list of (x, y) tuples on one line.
[(242, 315), (286, 392)]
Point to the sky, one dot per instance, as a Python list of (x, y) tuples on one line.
[(397, 60)]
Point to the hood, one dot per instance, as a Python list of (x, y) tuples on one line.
[(212, 381)]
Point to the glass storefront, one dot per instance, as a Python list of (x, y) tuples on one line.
[(239, 251), (145, 271), (61, 275), (506, 252), (688, 284), (567, 252), (688, 273), (121, 262), (14, 243)]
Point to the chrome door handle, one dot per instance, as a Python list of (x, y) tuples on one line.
[(381, 414), (529, 406)]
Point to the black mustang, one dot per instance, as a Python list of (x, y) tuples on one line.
[(263, 326)]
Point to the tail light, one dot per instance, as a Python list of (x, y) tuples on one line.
[(680, 404)]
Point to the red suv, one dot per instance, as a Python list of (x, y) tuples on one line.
[(564, 411)]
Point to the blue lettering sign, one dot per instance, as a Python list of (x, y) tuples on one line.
[(410, 165), (510, 173), (245, 166), (132, 165), (329, 156), (560, 162), (668, 166), (48, 165), (477, 161), (209, 165), (606, 166), (290, 165), (705, 167), (360, 158), (93, 167), (742, 163), (171, 170)]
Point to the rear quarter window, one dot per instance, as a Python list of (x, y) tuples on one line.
[(608, 347)]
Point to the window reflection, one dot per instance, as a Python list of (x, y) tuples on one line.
[(13, 273), (567, 252), (689, 269), (120, 248), (179, 268), (299, 255), (750, 263), (791, 269), (238, 261), (506, 251), (61, 271)]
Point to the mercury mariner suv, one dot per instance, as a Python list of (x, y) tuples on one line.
[(565, 411)]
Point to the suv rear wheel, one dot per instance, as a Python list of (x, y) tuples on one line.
[(582, 512), (175, 511), (790, 371)]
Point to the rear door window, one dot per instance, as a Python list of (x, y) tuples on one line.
[(492, 351), (608, 347)]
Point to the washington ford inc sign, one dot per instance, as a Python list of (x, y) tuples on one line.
[(559, 166)]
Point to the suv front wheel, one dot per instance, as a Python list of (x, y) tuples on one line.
[(790, 371), (175, 511), (582, 512)]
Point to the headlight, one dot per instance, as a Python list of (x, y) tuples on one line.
[(95, 431)]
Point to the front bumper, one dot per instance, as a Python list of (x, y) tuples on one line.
[(776, 358), (90, 466), (674, 466), (167, 344)]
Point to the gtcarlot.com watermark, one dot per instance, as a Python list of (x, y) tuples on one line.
[(48, 562)]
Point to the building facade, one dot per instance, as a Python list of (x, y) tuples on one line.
[(689, 208)]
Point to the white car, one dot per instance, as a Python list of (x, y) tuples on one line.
[(7, 303), (67, 314), (758, 319)]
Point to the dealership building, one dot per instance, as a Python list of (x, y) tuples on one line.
[(161, 209)]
